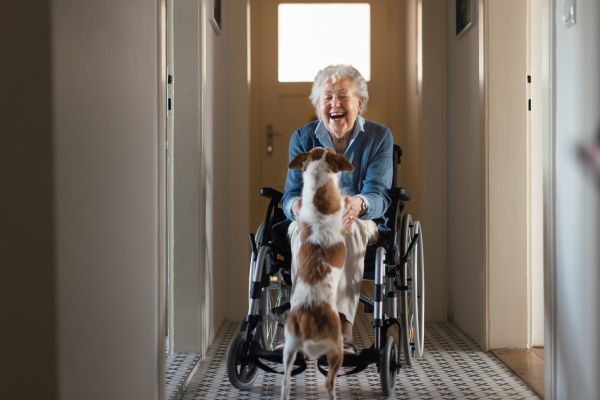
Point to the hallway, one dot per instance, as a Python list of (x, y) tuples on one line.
[(131, 180), (453, 367)]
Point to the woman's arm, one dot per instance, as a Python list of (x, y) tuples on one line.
[(378, 179), (293, 182)]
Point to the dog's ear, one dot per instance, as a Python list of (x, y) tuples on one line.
[(298, 161), (338, 162)]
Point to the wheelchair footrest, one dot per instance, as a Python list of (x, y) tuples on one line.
[(255, 354), (359, 361), (366, 356)]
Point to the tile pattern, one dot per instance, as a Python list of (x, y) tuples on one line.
[(453, 368), (178, 368)]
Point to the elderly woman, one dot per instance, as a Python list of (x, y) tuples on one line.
[(339, 95)]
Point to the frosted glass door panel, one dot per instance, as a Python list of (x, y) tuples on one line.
[(312, 36)]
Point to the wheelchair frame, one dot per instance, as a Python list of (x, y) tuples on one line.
[(395, 262)]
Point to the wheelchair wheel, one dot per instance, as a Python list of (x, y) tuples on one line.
[(274, 297), (387, 368), (407, 317), (241, 375), (418, 292), (259, 232), (257, 238)]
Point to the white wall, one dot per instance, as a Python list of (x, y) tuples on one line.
[(507, 174), (536, 181), (487, 176), (408, 132), (215, 173), (433, 137), (105, 69), (577, 279), (186, 214), (238, 136), (466, 271), (27, 290), (86, 141), (417, 121), (210, 172)]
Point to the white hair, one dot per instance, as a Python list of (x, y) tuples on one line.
[(333, 73)]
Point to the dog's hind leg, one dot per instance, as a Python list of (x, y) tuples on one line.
[(335, 358), (292, 344)]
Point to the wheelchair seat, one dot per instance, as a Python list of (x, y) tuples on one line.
[(279, 232)]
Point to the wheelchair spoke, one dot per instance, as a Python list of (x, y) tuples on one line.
[(274, 298)]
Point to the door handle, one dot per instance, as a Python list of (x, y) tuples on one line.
[(270, 135)]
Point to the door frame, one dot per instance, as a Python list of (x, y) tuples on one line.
[(162, 196), (549, 137), (184, 198)]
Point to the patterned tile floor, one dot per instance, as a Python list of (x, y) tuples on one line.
[(453, 367), (178, 367)]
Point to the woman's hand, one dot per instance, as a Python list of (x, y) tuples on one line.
[(296, 208), (352, 209)]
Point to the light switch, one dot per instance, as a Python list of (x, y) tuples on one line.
[(569, 13)]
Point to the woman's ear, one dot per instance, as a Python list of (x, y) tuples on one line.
[(338, 162), (298, 161)]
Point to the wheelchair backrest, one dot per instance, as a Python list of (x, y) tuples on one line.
[(395, 161)]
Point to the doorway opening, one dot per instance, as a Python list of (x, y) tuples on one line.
[(292, 41)]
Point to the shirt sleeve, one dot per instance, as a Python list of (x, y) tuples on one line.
[(293, 182), (378, 179)]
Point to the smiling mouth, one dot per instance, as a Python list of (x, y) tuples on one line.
[(337, 116)]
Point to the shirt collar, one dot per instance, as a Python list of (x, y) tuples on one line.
[(324, 137)]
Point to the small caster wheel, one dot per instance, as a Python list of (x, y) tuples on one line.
[(388, 368), (241, 374)]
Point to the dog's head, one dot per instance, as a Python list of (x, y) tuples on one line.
[(330, 161)]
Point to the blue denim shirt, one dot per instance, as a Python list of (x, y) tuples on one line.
[(370, 152)]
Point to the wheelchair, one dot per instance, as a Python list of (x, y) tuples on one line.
[(396, 265)]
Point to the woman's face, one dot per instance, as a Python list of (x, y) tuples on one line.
[(339, 106)]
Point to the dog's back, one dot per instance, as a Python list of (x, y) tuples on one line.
[(313, 321), (314, 316)]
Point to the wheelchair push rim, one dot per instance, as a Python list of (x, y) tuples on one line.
[(418, 292), (273, 297), (412, 299), (272, 327)]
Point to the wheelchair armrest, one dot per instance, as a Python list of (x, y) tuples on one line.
[(400, 193), (271, 193)]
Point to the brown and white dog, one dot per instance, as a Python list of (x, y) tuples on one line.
[(313, 322)]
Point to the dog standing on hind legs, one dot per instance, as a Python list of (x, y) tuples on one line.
[(313, 322)]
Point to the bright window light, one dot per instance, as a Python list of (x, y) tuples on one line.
[(313, 36)]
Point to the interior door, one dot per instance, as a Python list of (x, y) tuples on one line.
[(279, 108)]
